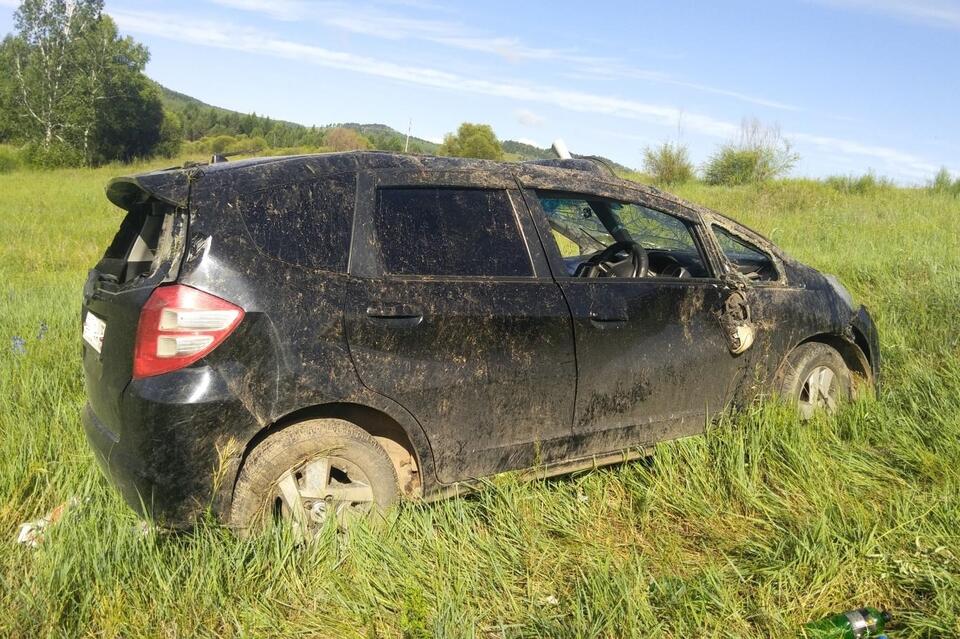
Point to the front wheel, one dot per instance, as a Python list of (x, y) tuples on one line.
[(815, 378), (311, 472)]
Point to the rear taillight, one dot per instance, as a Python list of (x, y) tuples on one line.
[(179, 325)]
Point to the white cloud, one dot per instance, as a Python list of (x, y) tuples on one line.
[(217, 34), (13, 4), (936, 13), (901, 162), (527, 117), (619, 71), (371, 21), (289, 10)]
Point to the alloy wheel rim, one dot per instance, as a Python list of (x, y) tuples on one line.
[(818, 392), (309, 494)]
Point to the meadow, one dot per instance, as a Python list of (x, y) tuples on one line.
[(751, 530)]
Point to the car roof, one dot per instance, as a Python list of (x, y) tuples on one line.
[(173, 185)]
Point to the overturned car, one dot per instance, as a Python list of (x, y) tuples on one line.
[(318, 336)]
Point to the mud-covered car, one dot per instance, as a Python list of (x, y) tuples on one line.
[(317, 336)]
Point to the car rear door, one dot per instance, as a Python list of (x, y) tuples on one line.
[(653, 360), (144, 253), (452, 312)]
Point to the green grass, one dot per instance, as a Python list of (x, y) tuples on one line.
[(749, 531)]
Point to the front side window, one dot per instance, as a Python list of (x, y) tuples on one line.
[(575, 226), (745, 257), (449, 231), (584, 226)]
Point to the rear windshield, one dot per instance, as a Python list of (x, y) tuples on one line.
[(136, 245)]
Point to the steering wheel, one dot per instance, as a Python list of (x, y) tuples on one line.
[(602, 264)]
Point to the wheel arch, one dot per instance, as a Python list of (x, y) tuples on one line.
[(409, 460), (853, 352), (863, 344)]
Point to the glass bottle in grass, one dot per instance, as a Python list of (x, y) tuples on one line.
[(854, 624)]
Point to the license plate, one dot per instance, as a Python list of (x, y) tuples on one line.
[(93, 328)]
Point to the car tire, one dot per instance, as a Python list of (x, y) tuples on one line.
[(814, 378), (328, 466)]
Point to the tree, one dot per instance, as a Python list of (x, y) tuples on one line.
[(472, 141), (77, 89), (8, 125), (128, 112), (48, 86), (343, 139), (171, 135)]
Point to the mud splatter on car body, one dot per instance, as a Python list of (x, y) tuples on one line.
[(461, 375)]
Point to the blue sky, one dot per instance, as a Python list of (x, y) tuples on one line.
[(856, 85)]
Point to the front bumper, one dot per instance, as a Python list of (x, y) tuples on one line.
[(177, 445)]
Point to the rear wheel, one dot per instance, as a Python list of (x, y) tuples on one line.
[(815, 378), (311, 472)]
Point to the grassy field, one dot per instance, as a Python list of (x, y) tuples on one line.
[(749, 531)]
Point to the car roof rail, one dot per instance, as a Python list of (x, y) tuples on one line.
[(586, 163)]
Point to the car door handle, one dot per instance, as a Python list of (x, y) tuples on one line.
[(607, 320), (399, 314)]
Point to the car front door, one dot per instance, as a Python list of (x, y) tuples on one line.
[(772, 297), (453, 314), (653, 358)]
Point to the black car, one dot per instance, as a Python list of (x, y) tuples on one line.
[(315, 336)]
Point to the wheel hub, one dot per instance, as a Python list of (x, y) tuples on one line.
[(320, 488), (818, 392)]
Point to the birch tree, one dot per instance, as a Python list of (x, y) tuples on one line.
[(77, 92), (48, 78)]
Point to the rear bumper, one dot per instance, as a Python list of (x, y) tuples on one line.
[(178, 444)]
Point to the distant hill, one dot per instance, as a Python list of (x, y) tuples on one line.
[(176, 101), (201, 119), (375, 131)]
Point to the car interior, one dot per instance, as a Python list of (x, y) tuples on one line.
[(748, 259), (134, 248), (604, 238)]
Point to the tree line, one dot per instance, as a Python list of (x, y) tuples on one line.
[(76, 94), (74, 91)]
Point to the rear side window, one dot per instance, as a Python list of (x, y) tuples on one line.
[(304, 224), (747, 258), (438, 231)]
